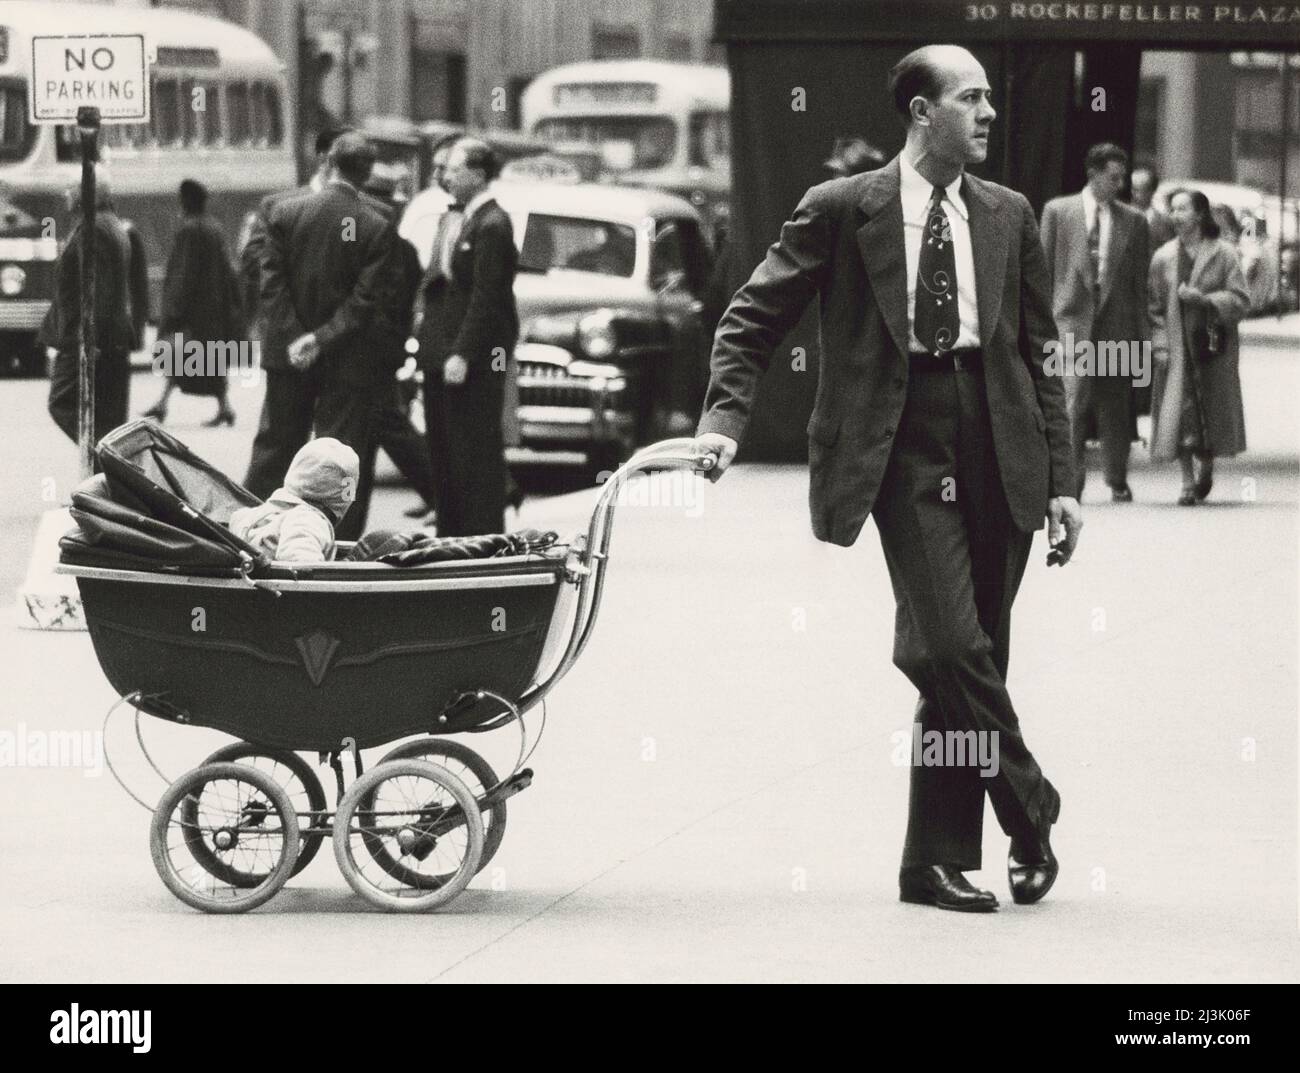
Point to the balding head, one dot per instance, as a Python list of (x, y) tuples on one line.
[(925, 72), (943, 96)]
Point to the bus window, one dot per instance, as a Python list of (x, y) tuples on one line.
[(212, 132), (166, 120), (191, 120), (238, 114), (267, 126), (710, 139), (17, 136), (626, 142)]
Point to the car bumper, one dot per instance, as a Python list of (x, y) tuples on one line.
[(571, 426)]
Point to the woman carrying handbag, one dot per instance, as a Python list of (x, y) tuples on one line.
[(1198, 294)]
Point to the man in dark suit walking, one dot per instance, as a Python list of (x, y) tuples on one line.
[(321, 276), (467, 334), (1098, 253), (935, 414)]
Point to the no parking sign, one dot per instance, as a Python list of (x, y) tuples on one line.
[(105, 71)]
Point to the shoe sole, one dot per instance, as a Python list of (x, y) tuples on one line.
[(929, 899)]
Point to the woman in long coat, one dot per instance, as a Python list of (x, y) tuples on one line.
[(1198, 294), (201, 301)]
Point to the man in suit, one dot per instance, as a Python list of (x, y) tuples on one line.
[(121, 308), (933, 413), (1098, 253), (467, 334), (322, 276)]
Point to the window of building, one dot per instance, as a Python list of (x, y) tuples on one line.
[(615, 43)]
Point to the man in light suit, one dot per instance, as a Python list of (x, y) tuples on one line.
[(934, 414), (1098, 252)]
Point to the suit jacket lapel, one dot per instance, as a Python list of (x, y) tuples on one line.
[(884, 254), (989, 240)]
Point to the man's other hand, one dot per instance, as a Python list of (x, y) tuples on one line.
[(723, 448), (303, 352), (1063, 511), (454, 370)]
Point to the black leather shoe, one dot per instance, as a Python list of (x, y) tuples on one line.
[(944, 887), (1031, 865), (1122, 494)]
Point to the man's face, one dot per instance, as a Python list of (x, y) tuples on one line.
[(1107, 182), (459, 180), (958, 132), (1143, 188)]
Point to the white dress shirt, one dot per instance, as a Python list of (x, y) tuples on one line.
[(916, 192), (1091, 206), (455, 224)]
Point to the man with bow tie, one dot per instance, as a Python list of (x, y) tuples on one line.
[(466, 336), (933, 413)]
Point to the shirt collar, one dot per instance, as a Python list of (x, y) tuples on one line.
[(1091, 204), (916, 191), (476, 202)]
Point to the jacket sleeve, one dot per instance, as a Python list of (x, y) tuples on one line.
[(1231, 299), (1048, 234), (277, 299), (492, 293), (356, 311), (1141, 278), (1157, 304), (305, 537), (763, 311), (138, 275), (1037, 330)]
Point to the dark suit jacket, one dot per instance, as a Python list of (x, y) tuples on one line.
[(1122, 314), (121, 289), (200, 291), (322, 267), (844, 244), (474, 312)]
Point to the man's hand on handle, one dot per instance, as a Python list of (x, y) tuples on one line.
[(723, 448), (1063, 511)]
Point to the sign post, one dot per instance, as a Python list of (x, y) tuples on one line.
[(88, 129), (88, 79)]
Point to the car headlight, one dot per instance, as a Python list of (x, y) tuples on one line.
[(12, 280), (596, 334)]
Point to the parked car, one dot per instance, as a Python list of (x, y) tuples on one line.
[(613, 348)]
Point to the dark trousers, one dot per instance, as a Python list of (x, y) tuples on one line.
[(401, 441), (112, 391), (955, 560), (467, 451), (1110, 398), (295, 404)]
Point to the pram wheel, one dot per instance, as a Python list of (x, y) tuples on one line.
[(413, 818), (232, 818), (296, 777), (475, 772)]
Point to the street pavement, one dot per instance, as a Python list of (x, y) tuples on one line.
[(718, 792)]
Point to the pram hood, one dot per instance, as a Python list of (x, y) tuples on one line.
[(156, 506)]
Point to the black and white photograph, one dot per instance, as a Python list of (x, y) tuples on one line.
[(651, 491)]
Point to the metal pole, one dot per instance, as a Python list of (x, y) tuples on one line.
[(88, 128), (1285, 88)]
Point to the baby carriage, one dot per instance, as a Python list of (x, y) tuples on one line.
[(192, 625)]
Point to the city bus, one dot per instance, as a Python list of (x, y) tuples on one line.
[(220, 113), (655, 124)]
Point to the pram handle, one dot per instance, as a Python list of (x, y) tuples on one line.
[(591, 551)]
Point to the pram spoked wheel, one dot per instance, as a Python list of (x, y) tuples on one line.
[(224, 838), (475, 772), (296, 777), (417, 816)]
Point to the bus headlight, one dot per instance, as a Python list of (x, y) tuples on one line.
[(12, 280), (596, 334)]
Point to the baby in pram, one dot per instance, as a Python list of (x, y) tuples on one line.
[(297, 523)]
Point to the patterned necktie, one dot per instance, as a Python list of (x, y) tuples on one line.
[(936, 320), (1094, 255)]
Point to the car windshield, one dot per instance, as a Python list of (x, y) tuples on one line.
[(577, 244), (17, 136), (626, 143)]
